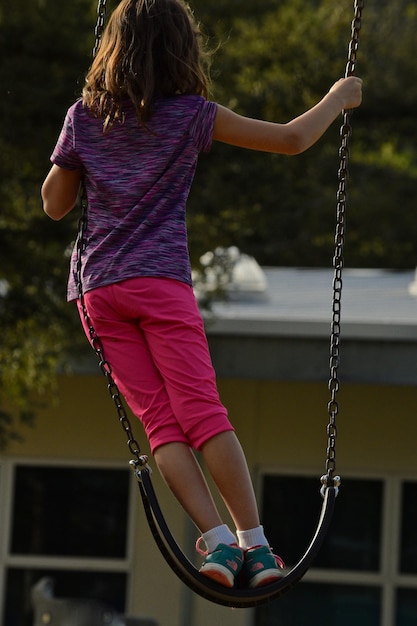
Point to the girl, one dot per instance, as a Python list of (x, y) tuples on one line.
[(134, 139)]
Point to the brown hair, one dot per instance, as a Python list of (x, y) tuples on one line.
[(149, 49)]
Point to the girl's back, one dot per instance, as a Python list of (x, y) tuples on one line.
[(137, 181)]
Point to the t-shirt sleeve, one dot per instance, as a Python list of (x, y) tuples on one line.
[(202, 125), (64, 154)]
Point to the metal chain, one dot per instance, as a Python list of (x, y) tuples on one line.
[(329, 479), (101, 18), (141, 459)]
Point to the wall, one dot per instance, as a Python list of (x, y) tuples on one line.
[(282, 427)]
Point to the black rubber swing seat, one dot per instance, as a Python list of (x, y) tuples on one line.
[(185, 570)]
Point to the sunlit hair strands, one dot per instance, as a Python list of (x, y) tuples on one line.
[(149, 49)]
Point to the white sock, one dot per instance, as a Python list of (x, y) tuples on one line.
[(252, 537), (219, 534)]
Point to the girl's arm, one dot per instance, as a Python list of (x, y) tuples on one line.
[(298, 134), (60, 191)]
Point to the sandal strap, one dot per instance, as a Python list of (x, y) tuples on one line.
[(197, 547)]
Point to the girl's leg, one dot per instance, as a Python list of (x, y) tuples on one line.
[(227, 465), (184, 477)]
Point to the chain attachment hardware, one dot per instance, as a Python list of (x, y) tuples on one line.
[(336, 481), (140, 465)]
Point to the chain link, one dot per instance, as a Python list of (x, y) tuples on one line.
[(101, 18), (330, 479)]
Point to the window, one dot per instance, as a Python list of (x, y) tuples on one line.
[(406, 598), (354, 540), (70, 524), (406, 607), (106, 587), (73, 512), (366, 571), (341, 605), (408, 552)]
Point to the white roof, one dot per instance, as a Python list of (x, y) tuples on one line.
[(298, 301)]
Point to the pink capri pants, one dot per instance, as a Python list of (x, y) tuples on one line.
[(153, 338)]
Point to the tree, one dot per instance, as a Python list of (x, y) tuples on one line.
[(273, 60), (281, 210), (41, 75)]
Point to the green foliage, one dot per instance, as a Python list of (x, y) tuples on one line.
[(281, 210), (46, 48), (273, 60)]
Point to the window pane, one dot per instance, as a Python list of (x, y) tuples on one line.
[(72, 511), (406, 607), (324, 605), (408, 556), (291, 507), (108, 588)]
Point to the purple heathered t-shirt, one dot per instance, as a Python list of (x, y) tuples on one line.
[(137, 183)]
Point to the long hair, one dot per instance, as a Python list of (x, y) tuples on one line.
[(149, 49)]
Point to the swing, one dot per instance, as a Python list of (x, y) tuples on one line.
[(174, 556)]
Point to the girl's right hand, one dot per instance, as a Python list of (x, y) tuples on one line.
[(349, 91)]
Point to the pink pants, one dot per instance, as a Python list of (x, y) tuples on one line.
[(153, 338)]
